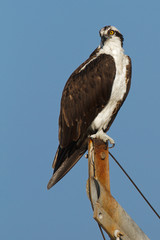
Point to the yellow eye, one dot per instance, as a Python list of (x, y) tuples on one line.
[(111, 32)]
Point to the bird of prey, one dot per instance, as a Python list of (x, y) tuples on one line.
[(91, 99)]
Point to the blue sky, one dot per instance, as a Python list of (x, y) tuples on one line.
[(41, 44)]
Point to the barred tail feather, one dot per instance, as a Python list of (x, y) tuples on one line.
[(64, 160)]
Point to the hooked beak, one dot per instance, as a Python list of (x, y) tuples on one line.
[(104, 38)]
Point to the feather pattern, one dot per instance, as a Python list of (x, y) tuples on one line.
[(91, 100)]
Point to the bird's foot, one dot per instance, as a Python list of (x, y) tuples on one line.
[(104, 137)]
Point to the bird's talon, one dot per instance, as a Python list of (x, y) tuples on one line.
[(112, 146)]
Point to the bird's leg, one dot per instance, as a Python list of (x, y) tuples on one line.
[(104, 137)]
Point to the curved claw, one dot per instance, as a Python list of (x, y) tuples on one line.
[(113, 144), (103, 136)]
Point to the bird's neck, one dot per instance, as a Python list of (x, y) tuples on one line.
[(112, 46)]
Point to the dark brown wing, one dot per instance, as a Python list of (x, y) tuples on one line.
[(85, 94)]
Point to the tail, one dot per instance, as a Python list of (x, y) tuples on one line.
[(64, 160)]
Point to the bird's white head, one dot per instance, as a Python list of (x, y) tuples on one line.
[(111, 34)]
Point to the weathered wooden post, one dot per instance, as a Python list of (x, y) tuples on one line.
[(107, 211)]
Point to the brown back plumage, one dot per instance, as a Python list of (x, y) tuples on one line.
[(85, 94)]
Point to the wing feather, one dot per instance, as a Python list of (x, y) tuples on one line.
[(86, 92)]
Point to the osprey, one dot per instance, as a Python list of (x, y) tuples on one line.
[(91, 100)]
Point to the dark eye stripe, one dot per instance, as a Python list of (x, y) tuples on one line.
[(120, 36)]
